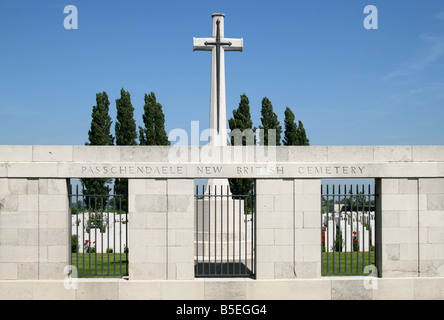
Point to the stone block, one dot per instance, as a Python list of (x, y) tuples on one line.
[(435, 202), (183, 290), (141, 290), (27, 237), (307, 236), (91, 289), (140, 154), (28, 203), (18, 186), (53, 203), (429, 289), (304, 154), (283, 202), (399, 202), (394, 289), (392, 153), (32, 170), (283, 237), (147, 271), (284, 270), (350, 153), (53, 290), (308, 203), (150, 203), (431, 185), (9, 153), (52, 153), (181, 204), (428, 153), (307, 270), (311, 220), (408, 186), (225, 290), (352, 289), (435, 235), (8, 271), (430, 218), (390, 186), (399, 235), (181, 187), (15, 290), (265, 237), (96, 154), (289, 290)]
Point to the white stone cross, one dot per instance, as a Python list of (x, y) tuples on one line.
[(218, 44)]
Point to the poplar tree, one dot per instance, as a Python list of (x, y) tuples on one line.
[(269, 121), (294, 134), (291, 129), (154, 120), (241, 120), (126, 135), (303, 140), (99, 135)]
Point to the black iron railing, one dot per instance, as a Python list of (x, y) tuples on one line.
[(348, 229), (99, 235), (224, 233)]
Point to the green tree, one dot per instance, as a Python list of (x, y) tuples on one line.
[(291, 129), (241, 120), (99, 135), (126, 135), (302, 136), (269, 121), (153, 134), (294, 135), (100, 132)]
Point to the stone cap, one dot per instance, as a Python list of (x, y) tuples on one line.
[(218, 15)]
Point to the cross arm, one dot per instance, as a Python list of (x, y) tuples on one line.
[(236, 44), (199, 44)]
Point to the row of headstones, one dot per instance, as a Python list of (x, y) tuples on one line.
[(111, 238), (348, 231)]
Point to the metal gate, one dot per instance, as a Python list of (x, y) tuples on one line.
[(348, 229), (224, 233), (99, 234)]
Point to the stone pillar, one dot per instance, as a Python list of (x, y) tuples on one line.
[(275, 225), (397, 242), (34, 229), (308, 242), (288, 222), (161, 229), (431, 227)]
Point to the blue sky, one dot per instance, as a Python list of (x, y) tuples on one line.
[(347, 84)]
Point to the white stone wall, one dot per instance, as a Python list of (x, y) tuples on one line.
[(33, 229), (34, 222), (431, 227), (161, 229)]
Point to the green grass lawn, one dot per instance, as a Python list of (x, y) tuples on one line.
[(343, 263), (100, 264)]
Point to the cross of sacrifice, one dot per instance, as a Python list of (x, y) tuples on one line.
[(218, 44)]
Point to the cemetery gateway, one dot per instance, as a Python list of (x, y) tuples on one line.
[(281, 241)]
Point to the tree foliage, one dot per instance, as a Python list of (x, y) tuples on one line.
[(269, 121), (153, 134), (126, 135), (294, 135), (241, 120), (125, 129), (99, 135)]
